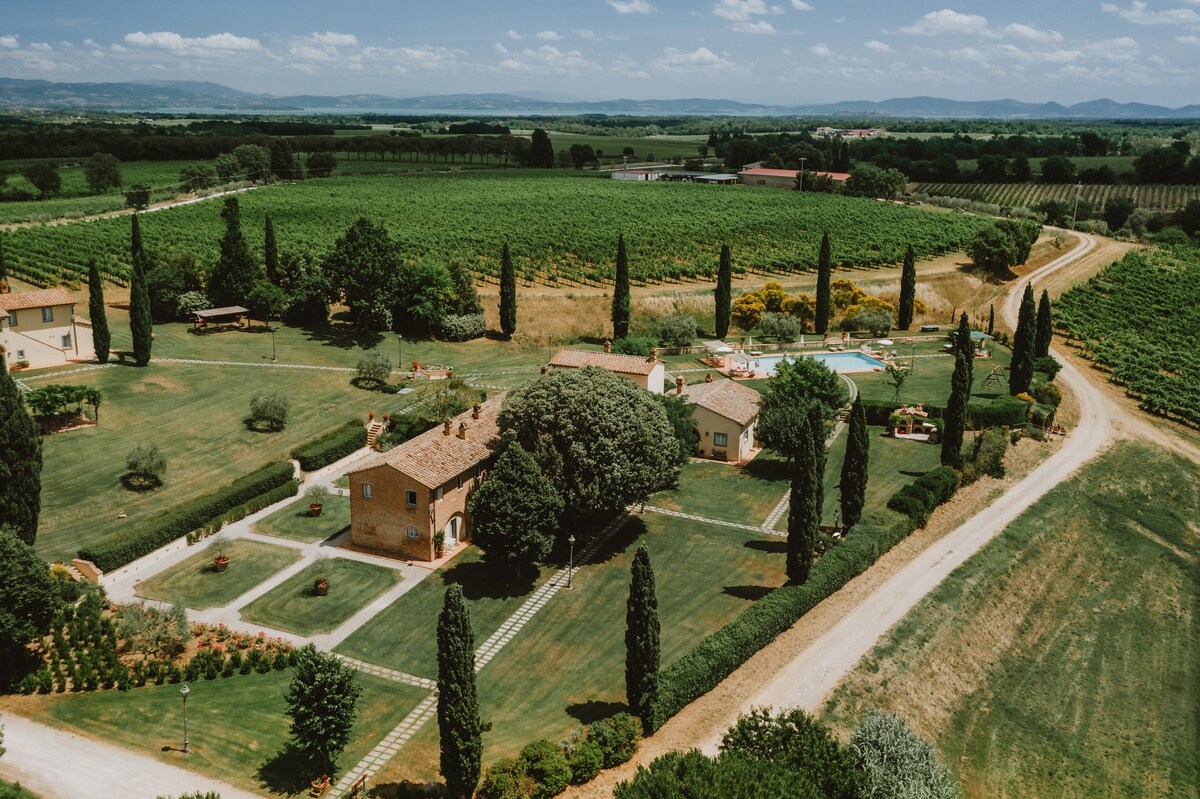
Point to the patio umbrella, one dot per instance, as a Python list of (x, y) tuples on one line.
[(724, 349), (886, 342)]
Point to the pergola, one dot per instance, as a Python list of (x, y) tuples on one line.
[(231, 315)]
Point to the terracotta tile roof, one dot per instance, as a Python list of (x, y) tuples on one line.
[(621, 364), (39, 298), (792, 173), (434, 458), (726, 398)]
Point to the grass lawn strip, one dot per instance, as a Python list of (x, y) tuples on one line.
[(1025, 664), (292, 520), (197, 582), (745, 494), (292, 605)]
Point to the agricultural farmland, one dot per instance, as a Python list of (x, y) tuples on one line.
[(1167, 198), (562, 229)]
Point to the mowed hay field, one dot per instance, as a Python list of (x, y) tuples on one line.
[(1061, 660)]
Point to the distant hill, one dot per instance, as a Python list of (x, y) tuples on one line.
[(166, 95)]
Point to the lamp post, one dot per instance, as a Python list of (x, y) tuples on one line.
[(399, 352), (912, 362), (571, 561), (802, 160), (272, 328), (184, 690), (1074, 213)]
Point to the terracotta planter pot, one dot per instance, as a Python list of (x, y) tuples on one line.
[(314, 509), (320, 587), (222, 563)]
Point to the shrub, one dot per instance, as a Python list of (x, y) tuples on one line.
[(988, 458), (1048, 394), (331, 447), (1004, 411), (585, 759), (876, 321), (781, 327), (547, 766), (506, 779), (116, 550), (942, 482), (464, 327), (191, 301), (617, 736), (1048, 365), (909, 506), (269, 410), (146, 465), (677, 330), (373, 369), (634, 345)]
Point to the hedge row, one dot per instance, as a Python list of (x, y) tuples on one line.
[(127, 546), (718, 655), (332, 446), (1004, 411), (919, 498)]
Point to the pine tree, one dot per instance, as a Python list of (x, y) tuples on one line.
[(804, 514), (508, 294), (236, 272), (854, 467), (991, 320), (541, 150), (101, 339), (956, 414), (140, 324), (458, 704), (1020, 372), (724, 292), (270, 252), (964, 345), (824, 277), (1044, 332), (20, 461), (620, 303), (641, 640), (908, 290)]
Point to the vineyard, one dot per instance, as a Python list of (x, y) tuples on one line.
[(1026, 195), (562, 229), (1139, 318)]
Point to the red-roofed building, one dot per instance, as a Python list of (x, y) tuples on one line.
[(784, 178), (39, 329)]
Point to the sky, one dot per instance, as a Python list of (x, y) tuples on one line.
[(768, 51)]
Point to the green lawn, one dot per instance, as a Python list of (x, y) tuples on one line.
[(237, 726), (929, 381), (567, 666), (292, 606), (292, 520), (745, 494), (197, 582), (402, 637), (1062, 659), (14, 790)]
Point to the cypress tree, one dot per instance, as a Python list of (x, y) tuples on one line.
[(724, 292), (3, 267), (20, 461), (101, 339), (963, 344), (458, 704), (140, 324), (1020, 372), (236, 272), (854, 467), (956, 414), (641, 640), (270, 252), (508, 294), (991, 320), (620, 303), (135, 240), (817, 432), (824, 277), (908, 290), (1044, 332), (803, 515)]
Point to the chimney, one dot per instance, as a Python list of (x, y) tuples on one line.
[(653, 355), (607, 345), (545, 369), (475, 411), (679, 385), (708, 378), (446, 426), (462, 430)]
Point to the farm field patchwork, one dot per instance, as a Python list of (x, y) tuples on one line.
[(1029, 194), (199, 585), (1062, 659)]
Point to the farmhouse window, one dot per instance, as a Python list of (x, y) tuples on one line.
[(47, 314), (437, 494), (66, 342), (12, 318), (368, 491), (412, 532), (720, 439), (411, 497)]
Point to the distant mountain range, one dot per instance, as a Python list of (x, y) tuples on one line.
[(200, 96)]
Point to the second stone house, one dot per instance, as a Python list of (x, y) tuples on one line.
[(726, 414)]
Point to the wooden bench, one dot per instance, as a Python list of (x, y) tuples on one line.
[(319, 785)]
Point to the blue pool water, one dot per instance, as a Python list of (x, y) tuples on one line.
[(836, 361)]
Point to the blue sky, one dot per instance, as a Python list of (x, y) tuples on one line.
[(775, 51)]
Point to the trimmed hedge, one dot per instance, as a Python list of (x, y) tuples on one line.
[(718, 655), (127, 546), (462, 328), (331, 447), (878, 411), (1004, 411)]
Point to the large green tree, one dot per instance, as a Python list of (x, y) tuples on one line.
[(515, 511), (1020, 371), (955, 417), (642, 640), (28, 596), (682, 415), (1044, 327), (101, 339), (20, 462), (141, 324), (786, 397), (282, 160), (458, 704), (270, 251), (798, 741), (824, 279), (620, 302), (994, 249), (818, 430), (508, 294), (541, 151), (322, 702), (102, 172), (908, 290), (236, 271), (602, 440), (724, 292), (854, 466), (804, 518), (364, 268), (893, 761), (466, 297)]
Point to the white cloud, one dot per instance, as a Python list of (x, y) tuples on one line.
[(800, 5), (1192, 40), (547, 60), (1139, 14), (698, 60), (547, 36), (584, 33), (740, 10), (1032, 34), (631, 6), (879, 47), (762, 26), (116, 48), (512, 34), (10, 42), (41, 47), (947, 22), (821, 50), (500, 48), (90, 43), (219, 44), (328, 39)]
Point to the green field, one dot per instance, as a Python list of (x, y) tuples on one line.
[(197, 582), (293, 521), (1027, 195), (745, 494), (673, 231), (1063, 658), (292, 605)]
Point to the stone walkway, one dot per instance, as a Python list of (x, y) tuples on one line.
[(706, 520)]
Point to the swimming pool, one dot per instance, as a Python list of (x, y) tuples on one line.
[(836, 361)]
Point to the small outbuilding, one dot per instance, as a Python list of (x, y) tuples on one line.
[(648, 372), (726, 414)]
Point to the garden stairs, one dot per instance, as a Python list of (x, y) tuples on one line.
[(373, 431)]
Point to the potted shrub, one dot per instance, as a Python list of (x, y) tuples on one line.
[(439, 544), (316, 496), (220, 559), (320, 571)]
